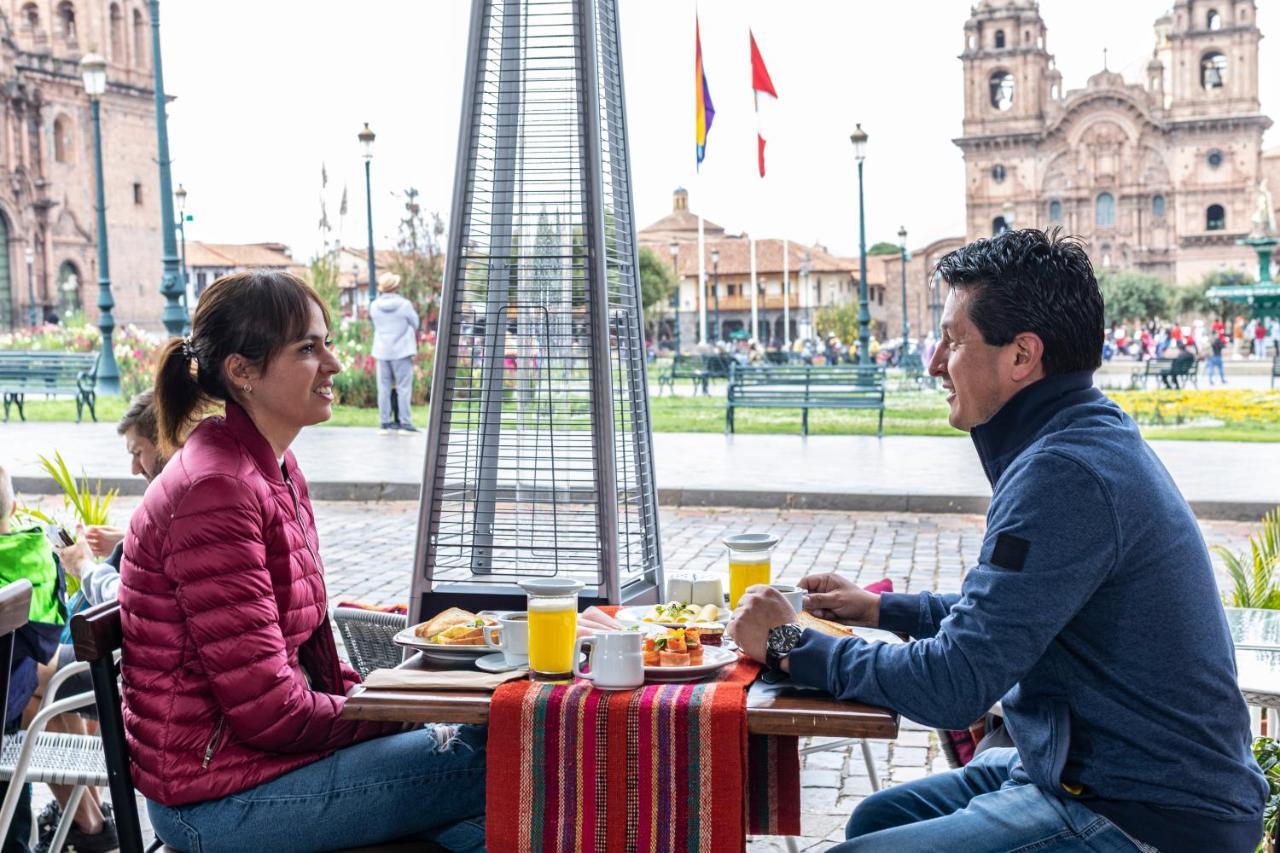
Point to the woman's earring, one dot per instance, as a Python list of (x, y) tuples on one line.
[(246, 388)]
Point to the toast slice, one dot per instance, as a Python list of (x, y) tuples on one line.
[(824, 626), (443, 621)]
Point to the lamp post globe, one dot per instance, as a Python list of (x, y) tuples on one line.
[(859, 140), (715, 292), (675, 295), (906, 323), (93, 71), (366, 137)]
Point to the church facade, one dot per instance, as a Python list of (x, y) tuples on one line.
[(1162, 176), (48, 232)]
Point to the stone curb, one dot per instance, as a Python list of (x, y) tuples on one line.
[(1250, 511)]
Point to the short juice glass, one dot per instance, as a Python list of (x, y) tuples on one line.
[(750, 562), (553, 623)]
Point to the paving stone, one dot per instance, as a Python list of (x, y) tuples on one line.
[(820, 778)]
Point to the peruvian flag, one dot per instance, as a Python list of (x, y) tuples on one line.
[(761, 83)]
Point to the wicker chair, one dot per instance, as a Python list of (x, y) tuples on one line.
[(367, 635)]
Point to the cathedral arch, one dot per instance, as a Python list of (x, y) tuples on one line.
[(999, 39), (1213, 70), (63, 139), (1212, 20), (139, 39), (115, 25), (1001, 89), (66, 18)]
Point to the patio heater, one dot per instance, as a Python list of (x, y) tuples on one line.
[(539, 454)]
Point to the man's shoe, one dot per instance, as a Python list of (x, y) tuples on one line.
[(101, 842), (407, 428), (385, 429)]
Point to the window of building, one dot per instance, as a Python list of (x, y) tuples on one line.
[(137, 193), (1157, 205), (62, 147), (1215, 218), (879, 295), (998, 173), (1212, 20), (1213, 71), (139, 39), (117, 33), (1002, 90), (998, 226), (1055, 211), (1105, 214), (30, 17), (1213, 158), (66, 18), (999, 38)]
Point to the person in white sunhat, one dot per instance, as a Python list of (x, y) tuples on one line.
[(395, 343)]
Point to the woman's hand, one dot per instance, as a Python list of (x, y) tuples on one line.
[(78, 556), (832, 596), (102, 539)]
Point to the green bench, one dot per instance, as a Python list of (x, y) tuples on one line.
[(805, 387), (53, 374), (700, 369), (1178, 371)]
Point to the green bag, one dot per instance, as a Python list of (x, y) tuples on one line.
[(28, 554)]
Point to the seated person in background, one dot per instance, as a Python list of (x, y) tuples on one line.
[(232, 685), (1093, 614), (94, 827), (27, 554)]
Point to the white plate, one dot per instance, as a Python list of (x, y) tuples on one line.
[(439, 651), (713, 658), (635, 616)]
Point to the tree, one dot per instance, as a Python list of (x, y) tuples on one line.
[(884, 248), (418, 260), (1194, 298), (657, 283), (838, 320), (322, 275), (1134, 296)]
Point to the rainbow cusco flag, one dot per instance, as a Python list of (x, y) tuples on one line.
[(704, 111)]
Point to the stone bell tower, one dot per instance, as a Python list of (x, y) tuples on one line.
[(1213, 56), (1007, 69)]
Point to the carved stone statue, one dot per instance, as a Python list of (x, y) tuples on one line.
[(1264, 218)]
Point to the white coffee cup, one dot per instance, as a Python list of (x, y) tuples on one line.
[(514, 642), (617, 659), (793, 594)]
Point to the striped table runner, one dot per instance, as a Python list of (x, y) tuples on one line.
[(666, 767)]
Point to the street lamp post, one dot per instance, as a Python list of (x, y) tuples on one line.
[(93, 70), (175, 316), (715, 290), (366, 138), (675, 296), (906, 324), (806, 298), (935, 302), (859, 140), (181, 196), (33, 315)]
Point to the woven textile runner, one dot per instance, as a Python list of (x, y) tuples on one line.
[(666, 767)]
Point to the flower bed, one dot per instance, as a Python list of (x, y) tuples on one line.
[(134, 348), (357, 384), (1234, 407)]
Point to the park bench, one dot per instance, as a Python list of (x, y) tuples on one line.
[(806, 387), (1275, 371), (913, 372), (67, 374), (700, 369), (1177, 370)]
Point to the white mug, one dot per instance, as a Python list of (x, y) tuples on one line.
[(617, 659), (514, 643), (793, 594)]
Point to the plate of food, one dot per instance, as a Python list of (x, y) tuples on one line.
[(451, 636), (678, 654), (674, 614)]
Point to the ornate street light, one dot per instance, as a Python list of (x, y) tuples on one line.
[(675, 295), (859, 140), (366, 138), (176, 319), (906, 325), (715, 290), (93, 70)]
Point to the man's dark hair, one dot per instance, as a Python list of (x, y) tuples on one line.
[(1030, 281), (141, 416)]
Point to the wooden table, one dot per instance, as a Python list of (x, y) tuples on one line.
[(771, 709)]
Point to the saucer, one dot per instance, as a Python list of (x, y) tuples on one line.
[(497, 662)]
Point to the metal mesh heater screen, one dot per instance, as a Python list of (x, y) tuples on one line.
[(539, 457)]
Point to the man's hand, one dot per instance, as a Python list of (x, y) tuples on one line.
[(759, 609), (831, 596), (103, 539), (75, 558)]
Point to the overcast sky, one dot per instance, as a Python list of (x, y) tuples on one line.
[(268, 91)]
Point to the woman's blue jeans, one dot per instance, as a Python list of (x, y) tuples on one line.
[(977, 808), (421, 784)]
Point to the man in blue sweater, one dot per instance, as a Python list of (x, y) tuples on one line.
[(1092, 614)]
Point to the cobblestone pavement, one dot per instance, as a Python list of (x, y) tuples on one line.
[(368, 554)]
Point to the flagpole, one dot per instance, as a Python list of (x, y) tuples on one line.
[(786, 293), (755, 310), (702, 283)]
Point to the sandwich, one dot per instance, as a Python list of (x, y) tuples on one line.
[(806, 619), (454, 627)]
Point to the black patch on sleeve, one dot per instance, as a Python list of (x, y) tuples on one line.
[(1010, 552)]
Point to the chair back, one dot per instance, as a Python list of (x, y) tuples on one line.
[(367, 636), (15, 610), (98, 634)]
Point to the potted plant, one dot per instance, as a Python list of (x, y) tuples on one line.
[(1255, 576), (1267, 751)]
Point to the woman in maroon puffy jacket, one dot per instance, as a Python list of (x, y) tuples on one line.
[(233, 689)]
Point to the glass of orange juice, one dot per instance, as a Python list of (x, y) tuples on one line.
[(750, 562), (553, 623)]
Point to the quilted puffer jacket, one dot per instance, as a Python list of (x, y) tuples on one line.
[(230, 673)]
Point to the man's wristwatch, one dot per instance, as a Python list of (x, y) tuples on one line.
[(782, 639)]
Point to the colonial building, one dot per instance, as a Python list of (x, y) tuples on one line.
[(814, 279), (1160, 175), (207, 262)]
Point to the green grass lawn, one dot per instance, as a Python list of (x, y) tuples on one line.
[(1207, 415)]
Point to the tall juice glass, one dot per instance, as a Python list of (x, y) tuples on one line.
[(553, 621), (750, 562)]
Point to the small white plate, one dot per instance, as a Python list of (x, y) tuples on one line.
[(713, 658), (497, 663), (635, 616)]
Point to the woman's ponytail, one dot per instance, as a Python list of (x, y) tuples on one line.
[(178, 396)]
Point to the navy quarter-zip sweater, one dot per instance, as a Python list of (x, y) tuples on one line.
[(1093, 617)]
